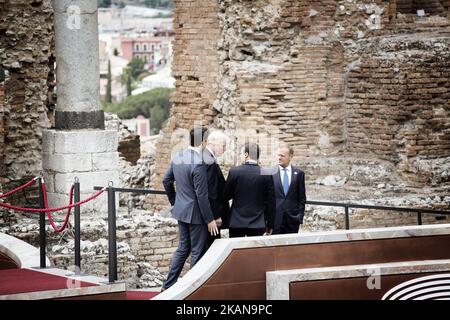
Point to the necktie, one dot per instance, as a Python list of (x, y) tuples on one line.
[(285, 182)]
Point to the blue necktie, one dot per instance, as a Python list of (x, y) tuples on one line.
[(285, 182)]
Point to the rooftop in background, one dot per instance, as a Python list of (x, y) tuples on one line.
[(136, 11), (132, 18)]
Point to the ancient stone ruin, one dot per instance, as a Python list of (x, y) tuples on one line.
[(360, 88)]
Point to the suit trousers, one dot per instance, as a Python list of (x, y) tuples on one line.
[(246, 232), (287, 226), (193, 238)]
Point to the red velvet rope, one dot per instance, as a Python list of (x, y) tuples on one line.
[(36, 210), (47, 209), (29, 183), (49, 215)]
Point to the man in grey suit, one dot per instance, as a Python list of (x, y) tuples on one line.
[(190, 204)]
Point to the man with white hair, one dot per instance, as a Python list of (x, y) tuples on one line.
[(216, 145)]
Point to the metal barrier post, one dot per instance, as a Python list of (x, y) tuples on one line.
[(419, 218), (347, 219), (112, 244), (76, 191), (42, 240)]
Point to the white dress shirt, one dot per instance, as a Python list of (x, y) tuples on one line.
[(212, 153), (195, 149)]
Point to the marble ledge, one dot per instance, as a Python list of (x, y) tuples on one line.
[(24, 254), (70, 274), (277, 282), (222, 248), (66, 293)]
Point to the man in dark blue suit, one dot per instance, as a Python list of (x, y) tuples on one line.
[(252, 192), (190, 204), (215, 146), (290, 195)]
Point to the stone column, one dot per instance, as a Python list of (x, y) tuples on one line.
[(79, 147), (77, 65)]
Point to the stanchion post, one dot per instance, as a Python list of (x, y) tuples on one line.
[(112, 246), (419, 218), (76, 191), (42, 240), (347, 219)]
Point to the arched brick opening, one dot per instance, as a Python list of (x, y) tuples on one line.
[(432, 7)]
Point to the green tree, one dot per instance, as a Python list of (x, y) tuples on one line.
[(136, 66), (154, 104), (129, 84), (168, 4), (158, 117), (134, 70), (104, 3), (108, 84), (151, 3)]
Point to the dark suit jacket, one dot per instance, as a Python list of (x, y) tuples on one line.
[(190, 200), (290, 209), (216, 184), (253, 197)]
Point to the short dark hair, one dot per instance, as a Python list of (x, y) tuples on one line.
[(252, 149), (198, 135)]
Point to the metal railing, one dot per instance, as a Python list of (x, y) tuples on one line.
[(43, 235), (347, 206), (112, 238)]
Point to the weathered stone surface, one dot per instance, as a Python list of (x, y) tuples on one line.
[(85, 141)]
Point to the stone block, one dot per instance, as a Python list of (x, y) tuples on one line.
[(165, 251), (83, 141), (105, 161), (63, 181), (68, 162), (48, 141), (49, 179)]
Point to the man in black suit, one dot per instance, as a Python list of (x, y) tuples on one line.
[(190, 205), (290, 195), (215, 146), (252, 191)]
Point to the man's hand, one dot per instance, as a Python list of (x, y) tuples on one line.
[(268, 232), (212, 228), (219, 222)]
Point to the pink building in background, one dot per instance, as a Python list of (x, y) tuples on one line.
[(153, 50), (139, 125)]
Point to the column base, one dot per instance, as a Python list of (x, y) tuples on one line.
[(89, 155)]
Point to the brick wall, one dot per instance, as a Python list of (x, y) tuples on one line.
[(397, 103), (358, 88), (195, 68), (26, 38), (2, 130), (436, 7)]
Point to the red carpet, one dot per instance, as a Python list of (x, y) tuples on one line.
[(140, 295), (23, 280)]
